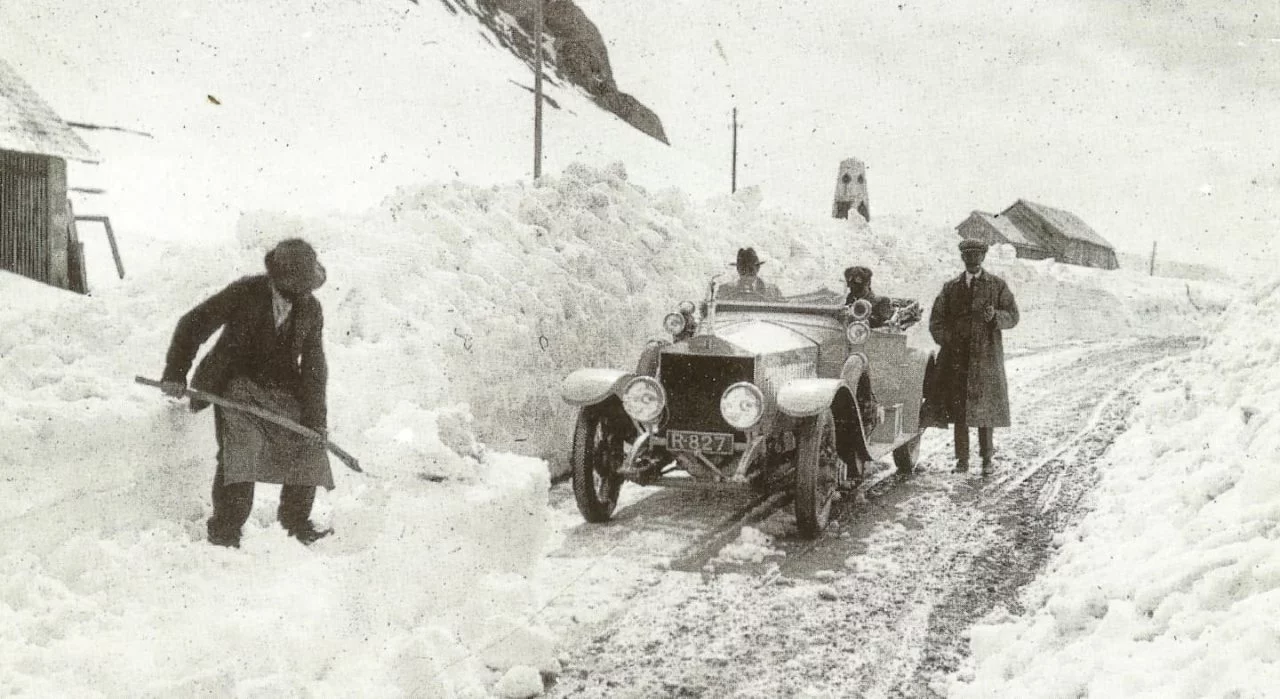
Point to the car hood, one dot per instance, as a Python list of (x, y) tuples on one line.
[(752, 337)]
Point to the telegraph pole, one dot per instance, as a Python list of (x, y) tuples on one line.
[(733, 177), (1152, 271), (537, 89)]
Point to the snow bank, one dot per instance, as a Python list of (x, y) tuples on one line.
[(1171, 585), (102, 511), (508, 288), (444, 302)]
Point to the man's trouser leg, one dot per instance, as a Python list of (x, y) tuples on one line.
[(986, 445), (295, 506), (962, 442), (232, 502)]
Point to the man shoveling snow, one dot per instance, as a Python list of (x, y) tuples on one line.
[(270, 356)]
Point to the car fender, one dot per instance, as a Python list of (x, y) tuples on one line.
[(590, 386), (807, 397)]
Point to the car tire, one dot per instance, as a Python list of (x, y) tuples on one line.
[(906, 456), (817, 474), (596, 459)]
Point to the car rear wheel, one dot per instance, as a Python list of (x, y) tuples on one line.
[(596, 459), (817, 474), (906, 456)]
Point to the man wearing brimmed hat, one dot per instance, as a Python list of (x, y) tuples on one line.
[(967, 321), (749, 285), (858, 279), (270, 355)]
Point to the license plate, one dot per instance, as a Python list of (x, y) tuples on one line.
[(705, 442)]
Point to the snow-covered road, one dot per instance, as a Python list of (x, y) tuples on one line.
[(879, 606)]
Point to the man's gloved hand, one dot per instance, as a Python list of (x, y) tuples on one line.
[(989, 313), (175, 389)]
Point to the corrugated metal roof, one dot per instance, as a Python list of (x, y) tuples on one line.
[(28, 125), (1067, 223)]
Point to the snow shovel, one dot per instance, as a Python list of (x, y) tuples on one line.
[(269, 416)]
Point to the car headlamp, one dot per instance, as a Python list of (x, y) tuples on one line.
[(686, 307), (861, 309), (644, 399), (673, 323), (857, 332), (742, 405)]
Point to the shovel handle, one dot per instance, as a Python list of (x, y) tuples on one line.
[(346, 458)]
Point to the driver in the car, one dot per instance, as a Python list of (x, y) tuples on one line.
[(749, 285), (858, 279)]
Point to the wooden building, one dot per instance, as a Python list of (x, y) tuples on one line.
[(994, 229), (1038, 232), (37, 238)]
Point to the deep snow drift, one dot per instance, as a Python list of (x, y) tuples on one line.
[(1170, 587), (442, 295)]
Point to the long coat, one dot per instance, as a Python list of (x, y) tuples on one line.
[(969, 382), (287, 362)]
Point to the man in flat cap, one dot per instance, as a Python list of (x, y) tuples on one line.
[(270, 355), (967, 321), (749, 285), (858, 279)]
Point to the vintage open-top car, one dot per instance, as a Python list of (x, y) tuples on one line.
[(763, 394)]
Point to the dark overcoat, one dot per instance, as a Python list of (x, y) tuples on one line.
[(969, 381), (288, 361)]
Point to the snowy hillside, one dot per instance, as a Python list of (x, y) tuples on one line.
[(268, 105), (1169, 588)]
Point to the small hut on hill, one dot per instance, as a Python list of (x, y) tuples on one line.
[(1037, 232), (994, 229), (37, 239)]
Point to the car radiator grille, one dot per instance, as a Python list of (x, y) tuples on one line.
[(694, 385)]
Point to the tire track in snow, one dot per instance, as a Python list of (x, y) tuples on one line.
[(879, 606)]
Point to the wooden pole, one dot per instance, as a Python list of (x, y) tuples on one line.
[(733, 177), (537, 89), (1152, 271)]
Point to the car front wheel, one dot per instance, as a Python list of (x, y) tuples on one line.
[(596, 460), (817, 474)]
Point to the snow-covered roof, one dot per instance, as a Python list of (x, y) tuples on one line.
[(1066, 223), (1006, 228), (28, 125)]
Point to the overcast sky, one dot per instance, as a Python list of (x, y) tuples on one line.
[(1151, 120)]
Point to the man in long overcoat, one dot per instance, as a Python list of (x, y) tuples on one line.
[(270, 355), (967, 321)]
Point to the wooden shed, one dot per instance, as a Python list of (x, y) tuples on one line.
[(37, 239), (1071, 239), (1038, 232), (994, 229)]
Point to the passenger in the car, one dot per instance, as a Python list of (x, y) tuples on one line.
[(858, 279), (749, 286)]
